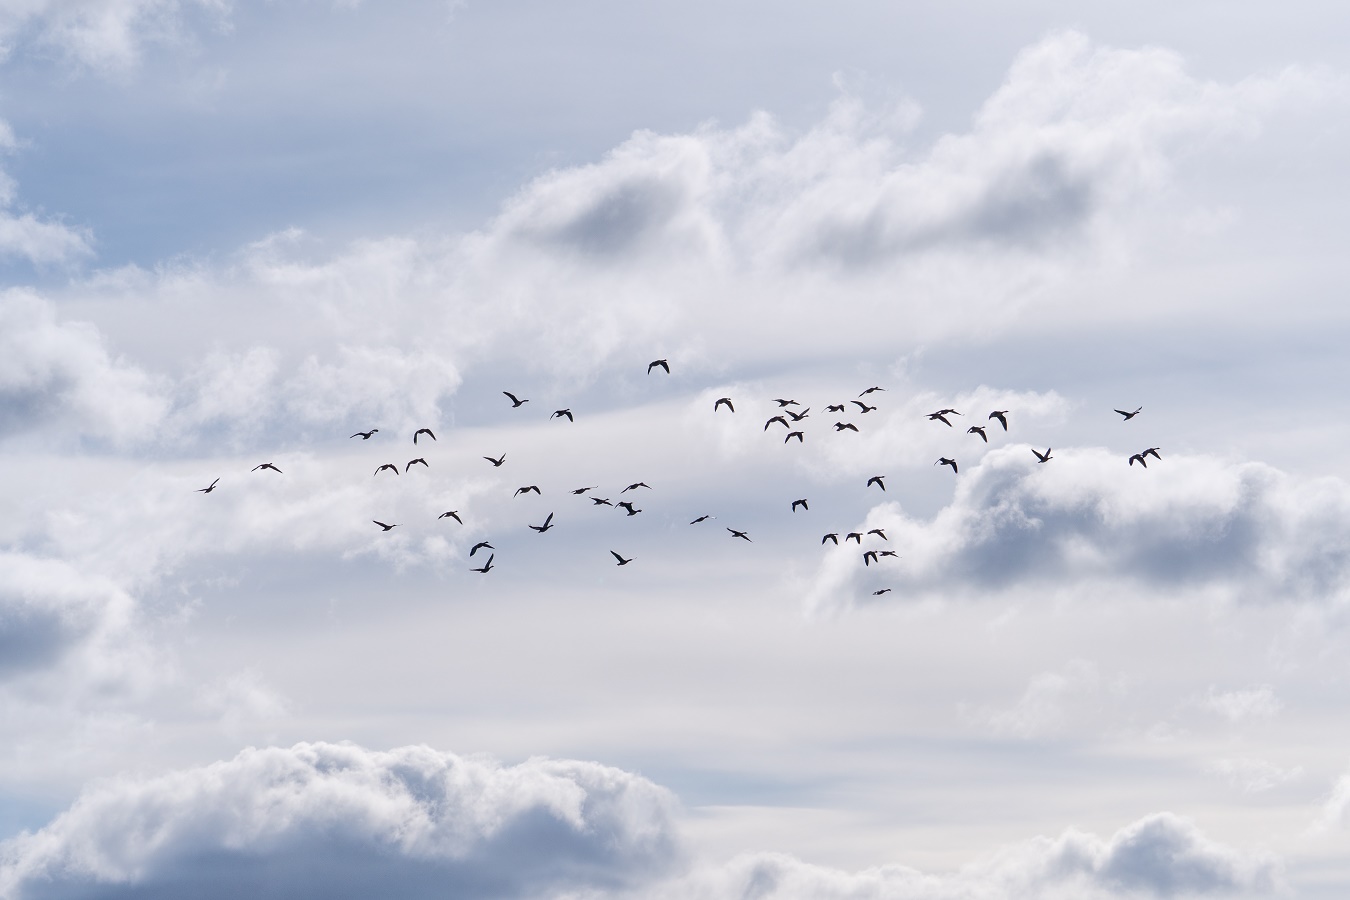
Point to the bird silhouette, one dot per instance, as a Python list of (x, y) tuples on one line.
[(559, 413), (740, 534), (798, 416), (1002, 416), (209, 488), (1139, 457), (481, 545), (779, 419), (1042, 457), (496, 463), (944, 461), (869, 557), (795, 434), (877, 480), (548, 523), (1129, 415), (628, 506), (887, 553), (515, 401), (658, 362), (845, 426), (635, 485), (365, 435), (835, 407), (872, 390), (452, 514), (526, 490), (1153, 452), (265, 466), (390, 466), (855, 536), (978, 429), (622, 561), (879, 533), (939, 417), (801, 503), (421, 431), (863, 408), (601, 501), (723, 401), (782, 404), (585, 489), (413, 462), (878, 593), (487, 566), (830, 537), (384, 526), (702, 519)]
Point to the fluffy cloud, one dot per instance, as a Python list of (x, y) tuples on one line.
[(25, 235), (324, 820)]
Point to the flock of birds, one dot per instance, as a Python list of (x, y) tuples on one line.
[(790, 415)]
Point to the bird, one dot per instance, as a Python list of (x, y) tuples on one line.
[(786, 403), (1002, 416), (635, 485), (978, 429), (622, 561), (877, 480), (1139, 457), (481, 545), (585, 489), (835, 407), (1129, 415), (548, 523), (940, 417), (365, 435), (863, 408), (209, 488), (390, 466), (801, 503), (869, 557), (1042, 457), (559, 413), (452, 514), (487, 566), (1151, 451), (723, 401), (740, 534), (411, 462), (854, 536), (702, 519), (795, 434), (944, 461), (658, 362), (887, 553), (845, 426), (830, 537), (879, 533), (526, 490), (945, 412), (871, 390), (266, 466), (515, 401), (421, 431), (798, 416), (779, 419), (880, 592), (626, 505), (601, 501), (384, 526), (496, 463)]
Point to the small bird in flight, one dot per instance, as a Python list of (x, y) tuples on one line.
[(888, 553), (801, 503), (452, 514), (585, 489), (978, 429), (944, 461), (862, 407), (723, 401), (702, 519), (940, 417), (390, 466), (209, 488), (265, 466), (487, 566), (548, 523), (481, 545), (601, 501), (872, 390), (869, 557), (855, 536), (830, 537), (845, 426), (1042, 457), (880, 592), (421, 431), (496, 463), (635, 485), (1143, 461), (795, 434), (526, 490), (1139, 458), (782, 404), (1129, 415), (1002, 416), (413, 462), (365, 435), (877, 480), (740, 534), (626, 505), (622, 561), (658, 362), (879, 533), (798, 416), (559, 413), (835, 407), (384, 526), (515, 401), (779, 419)]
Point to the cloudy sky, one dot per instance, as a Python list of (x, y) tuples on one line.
[(235, 232)]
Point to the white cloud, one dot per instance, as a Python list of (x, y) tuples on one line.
[(1238, 706), (106, 35), (1044, 706)]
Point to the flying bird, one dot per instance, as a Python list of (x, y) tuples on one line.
[(1002, 416), (411, 462), (740, 534), (658, 362), (798, 416), (801, 503), (1151, 451), (887, 553), (830, 537), (939, 417), (779, 419), (622, 561), (481, 545), (635, 485), (1042, 457), (421, 431), (559, 413), (880, 592), (487, 566), (855, 536), (794, 434), (879, 533), (585, 489), (723, 401), (944, 461), (548, 523), (877, 480), (1129, 415), (526, 490), (869, 557), (702, 519), (862, 407), (978, 429), (209, 488), (365, 435), (835, 407), (384, 526), (601, 501), (265, 466), (515, 401), (786, 403), (627, 505), (871, 390), (452, 514), (496, 463), (845, 426), (390, 466), (1139, 457)]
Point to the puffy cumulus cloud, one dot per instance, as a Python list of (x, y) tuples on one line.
[(1188, 522), (1161, 855), (325, 820), (106, 35)]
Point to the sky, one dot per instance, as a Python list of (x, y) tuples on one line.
[(235, 233)]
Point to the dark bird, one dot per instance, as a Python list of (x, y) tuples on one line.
[(740, 534), (481, 545), (880, 592), (830, 537), (515, 401), (548, 523), (622, 561), (1153, 452), (785, 403), (390, 466), (496, 463), (585, 489), (487, 566), (559, 413), (365, 435), (801, 503), (877, 480), (452, 514), (421, 431), (526, 490), (862, 407), (835, 407), (702, 519), (635, 485), (845, 426), (601, 501), (887, 553), (879, 533), (798, 416), (795, 434), (869, 557), (779, 419), (1139, 457), (978, 429), (939, 417), (944, 461), (412, 462), (872, 390), (1129, 415), (855, 536), (384, 526), (658, 362), (947, 412), (209, 488), (626, 505), (1042, 457), (265, 466), (1002, 416), (723, 401)]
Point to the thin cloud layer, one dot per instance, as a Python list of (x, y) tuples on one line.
[(103, 35), (326, 820)]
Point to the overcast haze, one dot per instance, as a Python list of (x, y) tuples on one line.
[(235, 233)]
